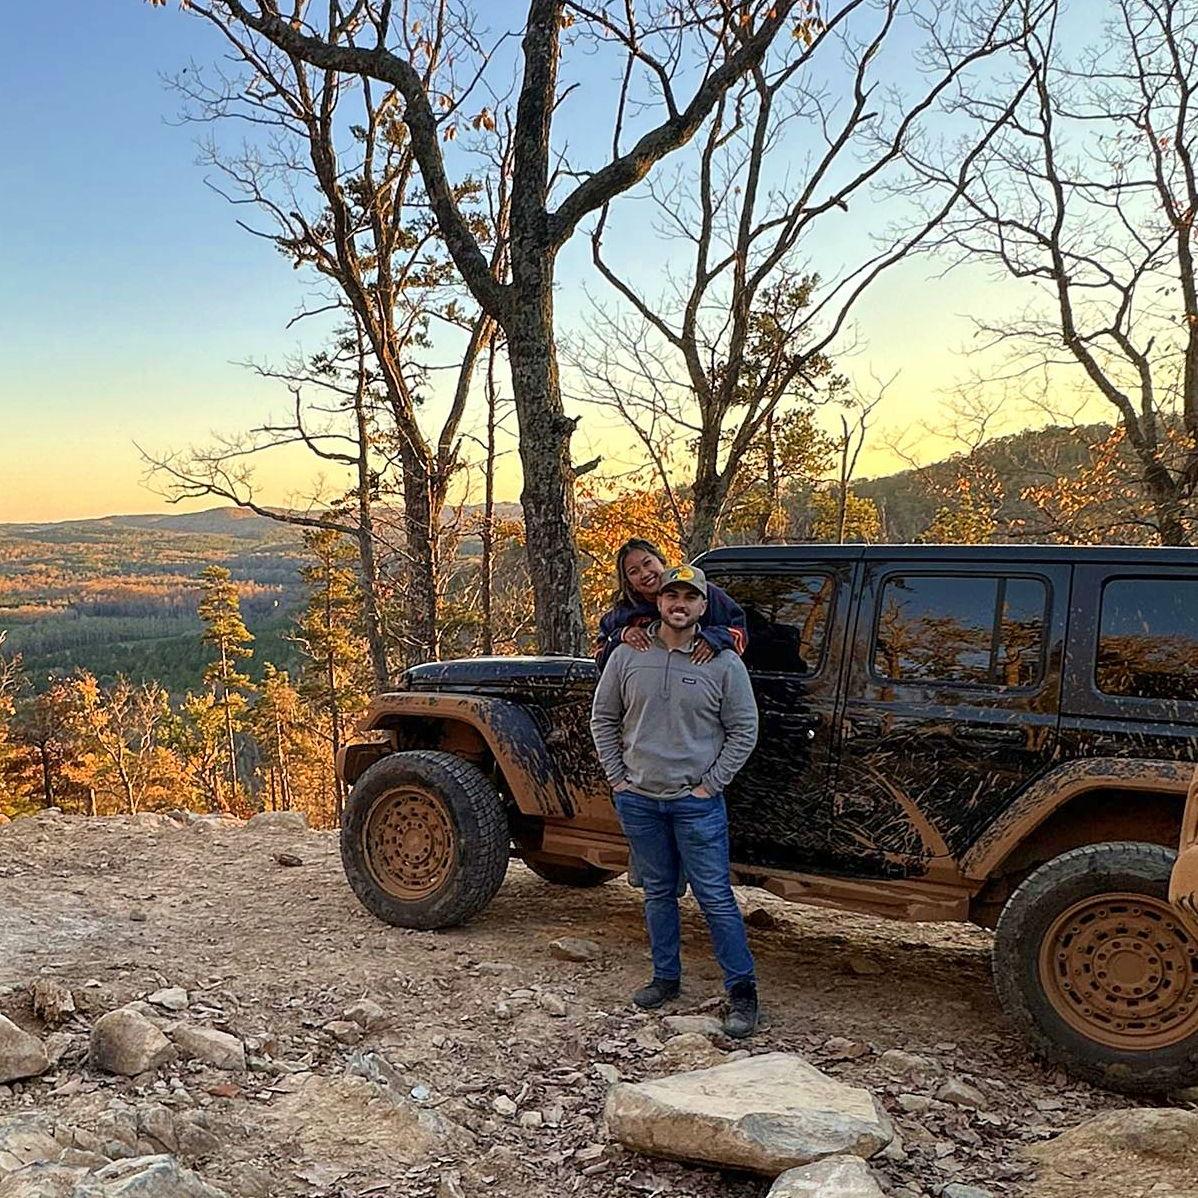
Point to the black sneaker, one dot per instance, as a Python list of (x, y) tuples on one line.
[(658, 991), (743, 1011)]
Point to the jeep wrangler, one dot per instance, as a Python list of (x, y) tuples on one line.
[(1006, 735)]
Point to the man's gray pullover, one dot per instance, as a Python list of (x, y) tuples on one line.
[(663, 725)]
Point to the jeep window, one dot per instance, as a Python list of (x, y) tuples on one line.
[(1148, 638), (971, 630), (787, 619)]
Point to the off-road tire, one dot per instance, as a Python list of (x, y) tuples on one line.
[(1037, 937), (582, 876), (470, 839)]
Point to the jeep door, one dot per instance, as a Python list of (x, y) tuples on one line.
[(952, 706), (797, 615)]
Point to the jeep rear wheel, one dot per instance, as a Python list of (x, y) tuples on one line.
[(1100, 972), (580, 875), (424, 841)]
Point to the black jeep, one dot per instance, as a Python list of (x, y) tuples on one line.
[(1000, 734)]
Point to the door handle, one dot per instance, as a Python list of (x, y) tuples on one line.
[(866, 727), (989, 734)]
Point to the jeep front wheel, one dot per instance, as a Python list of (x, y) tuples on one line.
[(1100, 972), (424, 840)]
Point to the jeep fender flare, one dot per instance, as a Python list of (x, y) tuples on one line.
[(1064, 782), (508, 729)]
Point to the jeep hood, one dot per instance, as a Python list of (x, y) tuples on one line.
[(502, 675)]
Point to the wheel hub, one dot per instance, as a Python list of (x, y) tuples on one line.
[(1123, 970), (409, 843)]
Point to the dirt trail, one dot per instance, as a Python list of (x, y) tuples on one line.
[(117, 909)]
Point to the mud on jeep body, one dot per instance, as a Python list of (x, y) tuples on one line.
[(1006, 735)]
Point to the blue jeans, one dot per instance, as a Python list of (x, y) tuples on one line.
[(669, 837)]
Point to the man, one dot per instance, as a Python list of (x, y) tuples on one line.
[(671, 736)]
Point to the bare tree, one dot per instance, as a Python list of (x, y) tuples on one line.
[(669, 73), (330, 166), (854, 429), (1089, 198), (814, 129)]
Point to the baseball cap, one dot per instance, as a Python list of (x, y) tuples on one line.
[(691, 576)]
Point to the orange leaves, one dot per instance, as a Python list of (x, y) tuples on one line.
[(607, 521)]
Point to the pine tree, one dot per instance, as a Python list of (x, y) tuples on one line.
[(336, 682), (276, 719), (196, 735), (225, 631)]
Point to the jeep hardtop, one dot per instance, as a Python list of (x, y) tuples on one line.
[(1001, 734)]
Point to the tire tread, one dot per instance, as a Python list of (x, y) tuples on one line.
[(472, 888)]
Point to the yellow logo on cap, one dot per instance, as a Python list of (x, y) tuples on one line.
[(684, 573)]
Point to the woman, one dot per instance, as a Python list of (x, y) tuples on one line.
[(639, 567)]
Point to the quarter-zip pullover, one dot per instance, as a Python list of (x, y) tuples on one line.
[(664, 725)]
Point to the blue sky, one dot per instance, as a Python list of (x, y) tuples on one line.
[(128, 294)]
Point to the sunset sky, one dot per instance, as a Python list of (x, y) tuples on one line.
[(128, 294)]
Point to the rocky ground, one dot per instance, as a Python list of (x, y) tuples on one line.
[(283, 1042)]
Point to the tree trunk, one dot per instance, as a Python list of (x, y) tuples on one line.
[(371, 618), (47, 777), (284, 769), (488, 531), (1168, 501), (230, 743), (548, 494), (421, 525), (707, 501), (772, 484)]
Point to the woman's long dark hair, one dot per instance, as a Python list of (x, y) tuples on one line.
[(624, 592)]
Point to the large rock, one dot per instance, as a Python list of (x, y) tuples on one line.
[(833, 1177), (765, 1114), (206, 1044), (42, 1181), (26, 1140), (279, 821), (21, 1055), (1120, 1137), (126, 1042), (147, 1177)]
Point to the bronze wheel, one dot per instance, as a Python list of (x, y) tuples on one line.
[(409, 842), (1123, 970), (425, 840), (1099, 972)]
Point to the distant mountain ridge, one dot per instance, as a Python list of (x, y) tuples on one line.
[(218, 521)]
